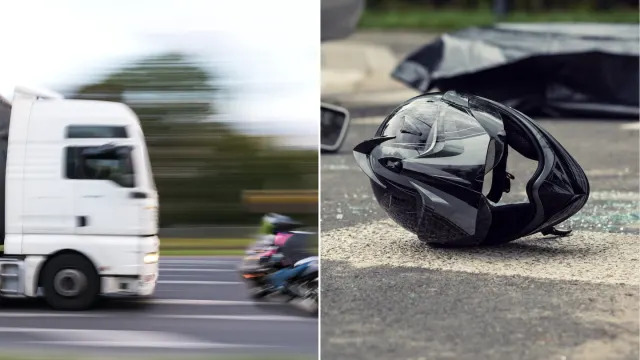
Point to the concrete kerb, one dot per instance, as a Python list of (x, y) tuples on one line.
[(351, 68), (357, 74)]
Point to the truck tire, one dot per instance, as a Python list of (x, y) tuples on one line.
[(70, 282)]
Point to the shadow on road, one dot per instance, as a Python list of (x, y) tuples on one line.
[(382, 312)]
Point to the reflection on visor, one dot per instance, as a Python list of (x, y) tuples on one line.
[(423, 127)]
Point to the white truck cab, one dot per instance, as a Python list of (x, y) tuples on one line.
[(80, 204)]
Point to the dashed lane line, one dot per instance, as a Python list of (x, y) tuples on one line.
[(160, 316), (203, 302), (196, 270), (197, 282), (118, 338)]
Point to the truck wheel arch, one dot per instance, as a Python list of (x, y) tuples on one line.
[(58, 253)]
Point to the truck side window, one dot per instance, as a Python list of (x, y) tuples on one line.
[(95, 131), (114, 165)]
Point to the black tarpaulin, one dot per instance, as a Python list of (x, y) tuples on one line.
[(559, 70)]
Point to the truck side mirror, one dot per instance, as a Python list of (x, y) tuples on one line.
[(334, 123)]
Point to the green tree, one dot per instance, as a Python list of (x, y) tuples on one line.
[(200, 167)]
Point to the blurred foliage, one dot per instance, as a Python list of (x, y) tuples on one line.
[(200, 167), (515, 5), (452, 19)]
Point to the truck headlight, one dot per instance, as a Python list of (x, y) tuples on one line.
[(151, 258)]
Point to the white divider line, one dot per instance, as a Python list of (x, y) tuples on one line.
[(165, 316), (372, 120), (210, 266), (238, 317), (197, 282), (196, 262), (120, 338), (51, 315), (196, 270), (204, 302), (631, 126), (148, 344)]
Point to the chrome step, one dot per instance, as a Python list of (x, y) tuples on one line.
[(11, 277)]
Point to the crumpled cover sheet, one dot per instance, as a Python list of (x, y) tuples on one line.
[(556, 70)]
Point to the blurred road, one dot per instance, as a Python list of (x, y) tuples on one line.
[(200, 307), (386, 295)]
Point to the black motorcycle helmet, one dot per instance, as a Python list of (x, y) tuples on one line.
[(428, 160)]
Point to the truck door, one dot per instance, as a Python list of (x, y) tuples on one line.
[(105, 193)]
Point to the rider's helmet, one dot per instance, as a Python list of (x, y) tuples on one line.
[(273, 223), (429, 159)]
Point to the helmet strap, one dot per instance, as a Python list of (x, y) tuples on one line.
[(501, 179)]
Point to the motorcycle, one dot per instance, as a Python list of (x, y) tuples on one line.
[(263, 259)]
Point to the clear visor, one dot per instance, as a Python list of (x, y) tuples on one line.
[(422, 127), (431, 128)]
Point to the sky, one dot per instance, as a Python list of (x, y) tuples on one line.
[(268, 51)]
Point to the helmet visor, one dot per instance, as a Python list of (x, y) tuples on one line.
[(423, 128)]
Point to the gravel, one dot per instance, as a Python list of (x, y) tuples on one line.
[(586, 256)]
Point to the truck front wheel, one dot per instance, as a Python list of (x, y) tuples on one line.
[(70, 282)]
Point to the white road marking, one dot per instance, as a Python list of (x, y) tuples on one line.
[(583, 256), (373, 120), (337, 167), (164, 316), (147, 344), (119, 338), (198, 267), (196, 270), (197, 262), (631, 126), (237, 317), (51, 315), (203, 302), (197, 282)]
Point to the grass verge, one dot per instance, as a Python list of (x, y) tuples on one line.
[(449, 19), (209, 247), (203, 247)]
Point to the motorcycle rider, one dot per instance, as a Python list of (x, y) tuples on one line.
[(287, 249), (292, 252)]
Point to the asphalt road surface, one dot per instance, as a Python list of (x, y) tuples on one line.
[(387, 296), (200, 307)]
